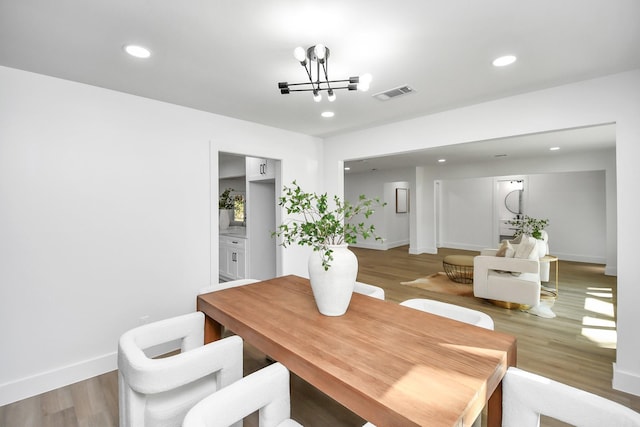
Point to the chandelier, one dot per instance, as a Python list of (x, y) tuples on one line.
[(315, 61)]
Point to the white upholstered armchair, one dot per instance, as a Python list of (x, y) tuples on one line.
[(512, 279), (265, 391), (526, 396), (159, 392)]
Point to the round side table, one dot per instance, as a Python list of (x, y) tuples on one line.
[(547, 291), (459, 268)]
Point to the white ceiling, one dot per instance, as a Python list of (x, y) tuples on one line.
[(226, 56), (569, 142)]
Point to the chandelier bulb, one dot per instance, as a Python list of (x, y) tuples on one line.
[(332, 96), (320, 51), (300, 54), (316, 96), (365, 82)]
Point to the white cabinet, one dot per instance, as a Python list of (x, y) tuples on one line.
[(232, 255), (260, 169)]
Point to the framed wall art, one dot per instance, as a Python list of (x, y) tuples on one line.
[(402, 200)]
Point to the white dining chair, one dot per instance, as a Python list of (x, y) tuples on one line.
[(265, 391), (226, 285), (369, 290), (526, 396), (451, 311), (160, 391)]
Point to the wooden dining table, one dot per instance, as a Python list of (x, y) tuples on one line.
[(392, 365)]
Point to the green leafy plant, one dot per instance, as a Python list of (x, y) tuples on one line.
[(317, 225), (530, 226), (226, 200)]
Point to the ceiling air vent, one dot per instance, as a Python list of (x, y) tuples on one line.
[(392, 93)]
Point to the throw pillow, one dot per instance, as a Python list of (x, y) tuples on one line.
[(526, 247), (506, 250)]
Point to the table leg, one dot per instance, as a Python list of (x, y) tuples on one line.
[(212, 329), (494, 408)]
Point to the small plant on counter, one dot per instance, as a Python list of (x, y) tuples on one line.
[(226, 200), (318, 226)]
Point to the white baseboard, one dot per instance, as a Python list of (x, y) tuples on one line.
[(40, 383), (462, 246), (380, 246), (562, 256), (50, 380), (626, 381), (418, 251)]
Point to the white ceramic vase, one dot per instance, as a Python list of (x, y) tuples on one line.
[(224, 219), (332, 289)]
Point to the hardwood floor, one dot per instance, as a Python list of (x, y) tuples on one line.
[(577, 347)]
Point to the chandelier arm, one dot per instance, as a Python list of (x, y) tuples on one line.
[(316, 83), (328, 81), (325, 65), (308, 70), (318, 75), (314, 88)]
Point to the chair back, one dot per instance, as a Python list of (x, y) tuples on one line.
[(526, 396), (451, 311), (160, 391), (265, 391), (226, 285), (369, 290)]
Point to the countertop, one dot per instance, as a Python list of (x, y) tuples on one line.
[(235, 231)]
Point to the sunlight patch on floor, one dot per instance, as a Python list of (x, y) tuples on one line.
[(598, 306), (600, 331), (595, 321), (600, 292)]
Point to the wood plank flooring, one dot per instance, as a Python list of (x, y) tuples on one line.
[(577, 347)]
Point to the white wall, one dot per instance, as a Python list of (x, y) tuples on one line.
[(391, 226), (574, 203), (105, 217), (467, 213), (611, 99), (396, 223), (560, 163), (238, 184)]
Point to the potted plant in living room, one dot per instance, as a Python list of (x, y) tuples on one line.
[(332, 266), (532, 227), (225, 207)]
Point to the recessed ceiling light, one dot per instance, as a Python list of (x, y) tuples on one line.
[(347, 168), (328, 114), (554, 148), (137, 51), (442, 160), (504, 61)]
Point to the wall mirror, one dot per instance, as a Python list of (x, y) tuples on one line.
[(513, 202)]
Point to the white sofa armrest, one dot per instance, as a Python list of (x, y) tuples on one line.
[(489, 283), (488, 252), (517, 265)]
